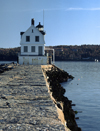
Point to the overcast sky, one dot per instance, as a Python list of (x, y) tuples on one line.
[(66, 22)]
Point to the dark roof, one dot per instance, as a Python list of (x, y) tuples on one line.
[(21, 33), (39, 25), (42, 32)]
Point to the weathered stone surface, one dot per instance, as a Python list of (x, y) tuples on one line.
[(25, 103)]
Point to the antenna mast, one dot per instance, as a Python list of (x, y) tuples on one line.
[(43, 17)]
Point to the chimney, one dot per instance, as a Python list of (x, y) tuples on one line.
[(32, 21)]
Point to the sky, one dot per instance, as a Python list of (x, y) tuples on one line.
[(66, 22)]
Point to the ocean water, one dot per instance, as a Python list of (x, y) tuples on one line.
[(84, 91), (7, 62)]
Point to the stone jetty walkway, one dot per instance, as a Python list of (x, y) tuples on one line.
[(25, 104)]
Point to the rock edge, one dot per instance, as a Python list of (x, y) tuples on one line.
[(53, 77)]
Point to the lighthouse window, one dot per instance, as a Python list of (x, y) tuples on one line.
[(27, 38), (25, 48), (32, 30), (37, 38), (32, 48)]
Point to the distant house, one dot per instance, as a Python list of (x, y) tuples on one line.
[(33, 45)]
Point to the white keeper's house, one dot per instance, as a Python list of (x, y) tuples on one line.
[(32, 46)]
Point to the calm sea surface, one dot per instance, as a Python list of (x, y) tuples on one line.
[(84, 91), (7, 62)]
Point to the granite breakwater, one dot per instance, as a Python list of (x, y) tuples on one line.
[(54, 76), (25, 104)]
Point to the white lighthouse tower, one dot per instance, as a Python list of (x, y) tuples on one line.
[(32, 46)]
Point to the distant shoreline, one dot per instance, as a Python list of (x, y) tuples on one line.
[(62, 53), (77, 60), (8, 62)]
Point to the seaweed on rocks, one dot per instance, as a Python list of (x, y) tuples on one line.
[(54, 77), (6, 67)]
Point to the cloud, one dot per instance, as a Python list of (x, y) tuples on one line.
[(70, 9), (89, 9), (53, 9), (74, 9), (94, 9)]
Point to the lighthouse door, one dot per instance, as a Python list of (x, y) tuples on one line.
[(40, 50)]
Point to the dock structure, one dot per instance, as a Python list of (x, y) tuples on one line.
[(25, 103)]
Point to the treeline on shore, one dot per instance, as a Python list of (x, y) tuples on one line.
[(9, 54), (62, 53), (77, 53)]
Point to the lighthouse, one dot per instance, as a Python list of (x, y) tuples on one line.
[(32, 45)]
